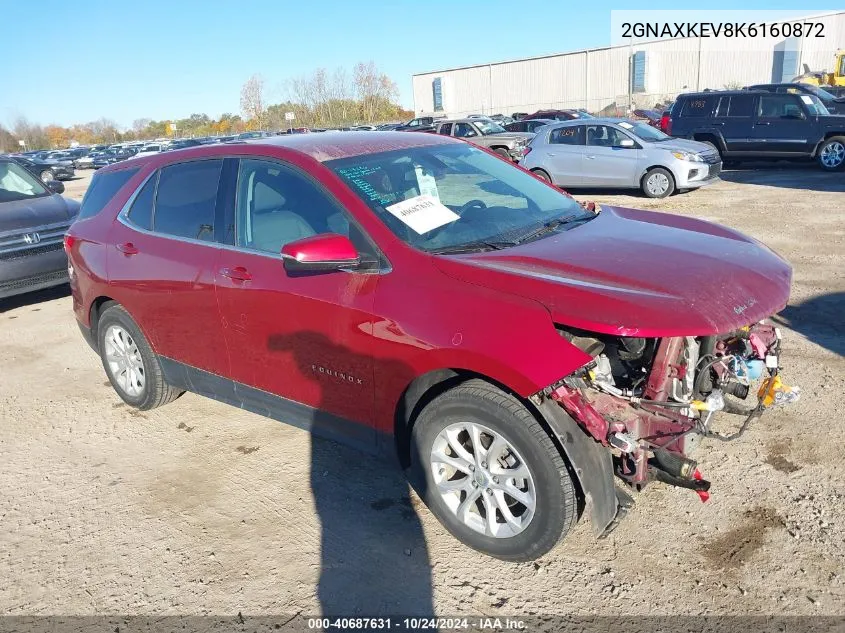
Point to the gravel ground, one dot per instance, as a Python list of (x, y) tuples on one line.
[(200, 508)]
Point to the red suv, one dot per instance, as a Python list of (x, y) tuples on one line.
[(418, 296)]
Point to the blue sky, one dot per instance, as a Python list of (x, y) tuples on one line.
[(78, 61)]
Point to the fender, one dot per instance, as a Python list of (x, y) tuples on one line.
[(593, 467)]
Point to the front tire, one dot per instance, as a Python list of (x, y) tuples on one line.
[(658, 183), (491, 473), (130, 363), (832, 154)]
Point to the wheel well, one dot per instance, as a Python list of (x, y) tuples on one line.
[(98, 306), (504, 147), (427, 387), (827, 137), (709, 137), (664, 167)]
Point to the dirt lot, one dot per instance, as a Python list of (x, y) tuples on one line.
[(201, 508)]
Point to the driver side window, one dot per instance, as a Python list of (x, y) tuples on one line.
[(276, 205), (464, 130)]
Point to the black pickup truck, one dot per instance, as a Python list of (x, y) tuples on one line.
[(749, 124)]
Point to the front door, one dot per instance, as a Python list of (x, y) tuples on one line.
[(302, 337), (565, 155), (782, 125), (606, 162), (162, 260)]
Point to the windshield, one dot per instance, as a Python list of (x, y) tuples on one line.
[(444, 197), (814, 105), (18, 184), (644, 131), (488, 127), (821, 93)]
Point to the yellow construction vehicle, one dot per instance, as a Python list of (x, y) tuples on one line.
[(824, 78)]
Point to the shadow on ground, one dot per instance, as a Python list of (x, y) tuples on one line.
[(819, 319), (34, 298), (789, 175)]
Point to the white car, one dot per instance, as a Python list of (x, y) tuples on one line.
[(149, 150)]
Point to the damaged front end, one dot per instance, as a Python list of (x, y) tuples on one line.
[(649, 401)]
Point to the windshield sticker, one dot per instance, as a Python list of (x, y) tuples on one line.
[(626, 125), (806, 99), (423, 213), (363, 178), (425, 183)]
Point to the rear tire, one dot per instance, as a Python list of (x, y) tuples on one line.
[(130, 363), (831, 156), (543, 174), (517, 506), (658, 183)]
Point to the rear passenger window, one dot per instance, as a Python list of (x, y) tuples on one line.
[(783, 106), (572, 135), (186, 199), (141, 211), (446, 129), (696, 107), (736, 106), (103, 188)]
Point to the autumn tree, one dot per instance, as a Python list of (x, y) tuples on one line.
[(252, 101)]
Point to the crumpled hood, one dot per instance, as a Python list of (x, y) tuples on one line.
[(638, 273)]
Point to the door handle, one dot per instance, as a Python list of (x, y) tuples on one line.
[(127, 248), (764, 122), (238, 273), (590, 157), (719, 123)]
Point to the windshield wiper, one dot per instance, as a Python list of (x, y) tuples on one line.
[(471, 247), (551, 225)]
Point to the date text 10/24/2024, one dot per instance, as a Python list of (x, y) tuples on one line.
[(418, 623)]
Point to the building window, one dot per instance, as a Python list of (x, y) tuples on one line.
[(638, 72), (785, 61), (437, 88)]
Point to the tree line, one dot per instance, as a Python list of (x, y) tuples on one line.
[(317, 99)]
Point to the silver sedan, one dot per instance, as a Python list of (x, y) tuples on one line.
[(619, 153)]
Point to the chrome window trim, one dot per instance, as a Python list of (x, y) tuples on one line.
[(123, 218)]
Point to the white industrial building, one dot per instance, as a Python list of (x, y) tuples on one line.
[(608, 79)]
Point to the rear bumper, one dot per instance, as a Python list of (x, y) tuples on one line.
[(26, 274), (88, 335)]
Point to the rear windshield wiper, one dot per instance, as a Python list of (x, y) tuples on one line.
[(551, 225)]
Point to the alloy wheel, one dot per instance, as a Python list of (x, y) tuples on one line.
[(833, 154), (124, 361), (483, 480), (657, 184)]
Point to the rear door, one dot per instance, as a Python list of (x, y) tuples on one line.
[(162, 261), (564, 151), (782, 125), (606, 162), (734, 119)]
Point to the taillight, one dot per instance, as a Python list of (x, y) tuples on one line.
[(526, 151), (666, 123), (70, 240)]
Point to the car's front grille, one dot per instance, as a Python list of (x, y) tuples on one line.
[(22, 240), (6, 256), (715, 170)]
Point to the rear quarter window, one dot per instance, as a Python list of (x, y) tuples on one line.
[(103, 188)]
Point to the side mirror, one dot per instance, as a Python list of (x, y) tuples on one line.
[(626, 142), (325, 252), (56, 186)]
